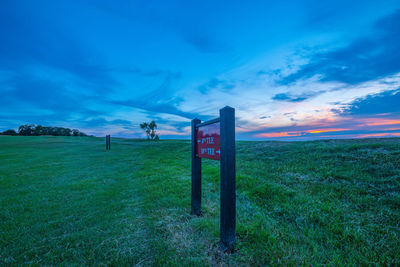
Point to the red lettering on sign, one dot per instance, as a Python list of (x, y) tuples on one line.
[(208, 141)]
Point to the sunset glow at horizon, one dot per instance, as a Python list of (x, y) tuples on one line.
[(300, 71)]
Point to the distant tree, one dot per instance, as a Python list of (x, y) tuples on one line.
[(66, 131), (21, 130), (27, 129), (153, 127), (145, 127), (46, 131), (52, 130), (38, 130), (75, 132), (150, 129), (9, 132)]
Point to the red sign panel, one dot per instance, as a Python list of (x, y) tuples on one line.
[(208, 141)]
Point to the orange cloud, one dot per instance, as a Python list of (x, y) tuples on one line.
[(280, 134), (392, 129), (378, 135), (300, 133), (328, 130), (379, 122), (353, 124)]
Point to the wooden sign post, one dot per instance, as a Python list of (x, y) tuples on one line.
[(215, 139), (108, 142)]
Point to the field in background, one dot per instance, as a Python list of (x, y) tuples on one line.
[(68, 200)]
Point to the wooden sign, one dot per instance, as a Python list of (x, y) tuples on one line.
[(215, 139), (208, 141)]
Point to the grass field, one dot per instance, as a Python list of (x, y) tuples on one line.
[(68, 201)]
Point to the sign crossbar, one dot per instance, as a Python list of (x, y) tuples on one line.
[(207, 122)]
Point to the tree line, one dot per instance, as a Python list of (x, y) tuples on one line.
[(36, 130)]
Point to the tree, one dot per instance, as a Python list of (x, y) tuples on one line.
[(38, 130), (145, 127), (22, 130), (27, 129), (32, 129), (150, 129), (9, 132)]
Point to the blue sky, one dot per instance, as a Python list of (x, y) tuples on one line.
[(293, 70)]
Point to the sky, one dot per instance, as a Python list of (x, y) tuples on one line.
[(293, 70)]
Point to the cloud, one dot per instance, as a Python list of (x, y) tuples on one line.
[(203, 41), (301, 132), (29, 40), (215, 83), (41, 93), (378, 135), (155, 107), (146, 73), (385, 102), (160, 100), (103, 122), (296, 98), (367, 58), (31, 99), (264, 117), (344, 127)]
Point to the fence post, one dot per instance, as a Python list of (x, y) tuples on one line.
[(228, 179), (196, 173), (108, 142)]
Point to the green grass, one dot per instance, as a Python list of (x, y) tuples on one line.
[(68, 201)]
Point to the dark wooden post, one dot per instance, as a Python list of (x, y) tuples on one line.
[(196, 173), (228, 179), (108, 142)]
